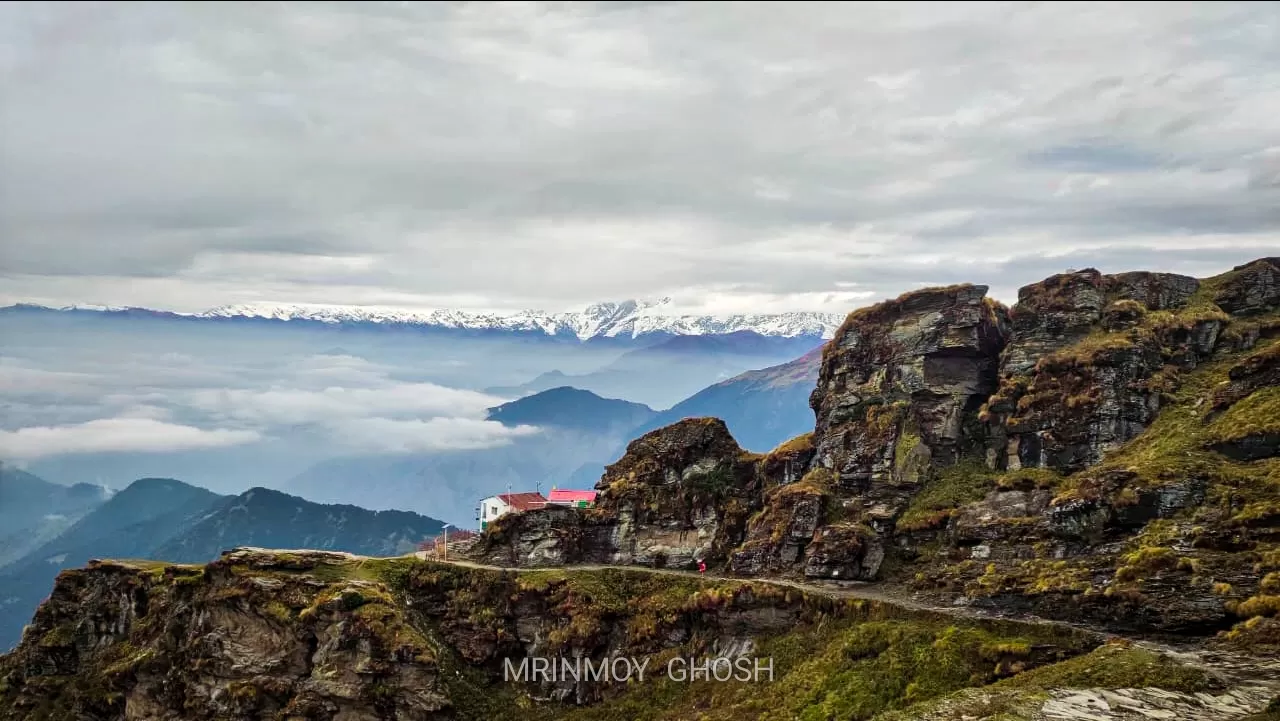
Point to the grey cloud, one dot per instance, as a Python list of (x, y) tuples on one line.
[(555, 154)]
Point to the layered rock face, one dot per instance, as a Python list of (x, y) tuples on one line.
[(1132, 476), (1254, 288), (899, 383), (1078, 377)]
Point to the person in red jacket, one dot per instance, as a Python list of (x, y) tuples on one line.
[(702, 566)]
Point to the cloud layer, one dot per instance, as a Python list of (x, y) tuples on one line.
[(728, 154), (114, 435), (110, 390)]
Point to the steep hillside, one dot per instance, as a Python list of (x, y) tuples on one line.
[(166, 519), (331, 637), (129, 525), (1103, 452), (271, 519), (33, 510)]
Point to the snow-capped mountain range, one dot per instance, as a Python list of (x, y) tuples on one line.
[(629, 318)]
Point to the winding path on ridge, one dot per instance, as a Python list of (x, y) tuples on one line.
[(1250, 682), (850, 589), (1262, 675), (859, 590)]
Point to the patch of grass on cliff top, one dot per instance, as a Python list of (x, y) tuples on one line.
[(1118, 666), (801, 443), (840, 669), (1020, 697), (966, 482), (148, 565), (817, 482), (616, 590), (1172, 448), (1257, 414), (1087, 350)]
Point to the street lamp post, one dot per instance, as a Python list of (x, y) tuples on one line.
[(444, 552)]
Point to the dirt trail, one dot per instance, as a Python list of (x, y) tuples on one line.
[(1224, 664), (845, 589), (1250, 681)]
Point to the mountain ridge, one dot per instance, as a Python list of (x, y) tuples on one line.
[(571, 407), (761, 407), (627, 319), (1106, 451)]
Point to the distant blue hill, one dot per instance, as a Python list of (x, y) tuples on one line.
[(762, 408), (165, 519)]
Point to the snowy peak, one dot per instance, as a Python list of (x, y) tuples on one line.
[(628, 318), (620, 319)]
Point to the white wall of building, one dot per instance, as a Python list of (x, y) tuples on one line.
[(491, 509)]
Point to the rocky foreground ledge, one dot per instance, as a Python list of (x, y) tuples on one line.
[(317, 635)]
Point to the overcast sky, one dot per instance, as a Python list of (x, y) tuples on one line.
[(734, 156)]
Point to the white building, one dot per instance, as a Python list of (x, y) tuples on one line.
[(495, 507)]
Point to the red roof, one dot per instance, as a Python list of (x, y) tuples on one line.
[(567, 496), (523, 501)]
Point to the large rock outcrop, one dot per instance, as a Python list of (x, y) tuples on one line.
[(244, 637), (1081, 374), (899, 387), (1076, 405), (1050, 315)]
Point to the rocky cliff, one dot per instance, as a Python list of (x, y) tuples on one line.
[(1102, 451), (323, 636)]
